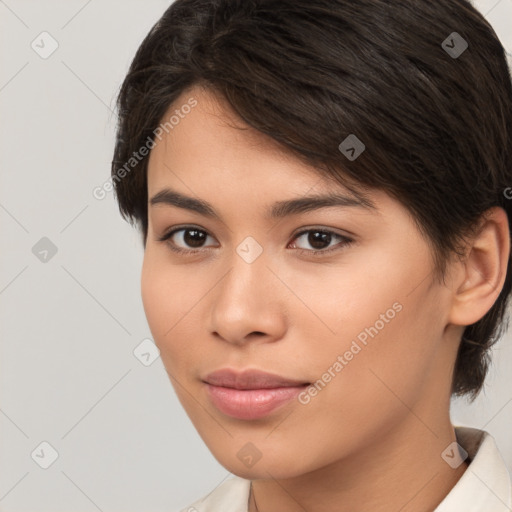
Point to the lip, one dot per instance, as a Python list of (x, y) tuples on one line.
[(250, 379), (250, 394)]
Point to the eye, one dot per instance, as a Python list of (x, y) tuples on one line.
[(193, 238), (321, 238), (190, 235)]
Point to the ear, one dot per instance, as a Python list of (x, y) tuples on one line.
[(480, 277)]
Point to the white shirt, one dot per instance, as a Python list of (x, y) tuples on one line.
[(485, 486)]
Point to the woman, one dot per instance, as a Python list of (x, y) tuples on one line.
[(321, 189)]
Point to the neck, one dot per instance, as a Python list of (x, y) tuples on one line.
[(401, 470)]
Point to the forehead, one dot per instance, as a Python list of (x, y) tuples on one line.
[(210, 142), (212, 164), (211, 154)]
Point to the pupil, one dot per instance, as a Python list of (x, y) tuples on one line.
[(194, 241), (314, 240)]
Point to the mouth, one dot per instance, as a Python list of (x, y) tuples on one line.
[(250, 379), (251, 394)]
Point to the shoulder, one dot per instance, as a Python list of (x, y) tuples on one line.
[(231, 495)]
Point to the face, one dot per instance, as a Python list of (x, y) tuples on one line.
[(339, 297)]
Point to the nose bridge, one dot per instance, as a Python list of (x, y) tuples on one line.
[(241, 304), (248, 268)]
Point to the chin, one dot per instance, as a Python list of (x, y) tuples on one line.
[(270, 465)]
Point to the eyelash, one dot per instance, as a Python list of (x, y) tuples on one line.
[(345, 241)]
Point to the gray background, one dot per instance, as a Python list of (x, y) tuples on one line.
[(70, 324)]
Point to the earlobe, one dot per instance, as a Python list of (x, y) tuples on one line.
[(483, 270)]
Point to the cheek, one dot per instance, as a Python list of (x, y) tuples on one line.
[(154, 299), (385, 335), (166, 299), (379, 378), (370, 394)]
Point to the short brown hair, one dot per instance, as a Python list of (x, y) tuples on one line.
[(437, 126)]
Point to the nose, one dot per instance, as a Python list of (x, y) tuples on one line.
[(247, 303)]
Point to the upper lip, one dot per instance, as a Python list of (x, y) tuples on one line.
[(249, 379)]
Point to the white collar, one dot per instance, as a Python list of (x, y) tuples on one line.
[(485, 486)]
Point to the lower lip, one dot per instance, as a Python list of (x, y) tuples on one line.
[(251, 404)]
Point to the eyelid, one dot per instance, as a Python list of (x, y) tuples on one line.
[(334, 231)]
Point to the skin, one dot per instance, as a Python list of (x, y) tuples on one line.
[(372, 439)]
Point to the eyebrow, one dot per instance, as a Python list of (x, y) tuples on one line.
[(278, 210)]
